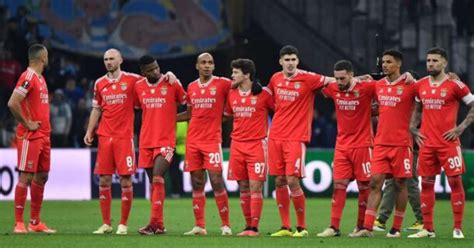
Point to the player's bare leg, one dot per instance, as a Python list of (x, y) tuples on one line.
[(283, 204), (401, 199), (105, 200), (299, 201), (198, 181), (126, 203), (373, 202), (156, 225), (338, 202), (222, 200)]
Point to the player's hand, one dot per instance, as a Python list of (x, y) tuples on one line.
[(33, 125), (454, 133), (453, 76), (419, 138), (365, 77), (409, 79), (170, 77), (88, 138)]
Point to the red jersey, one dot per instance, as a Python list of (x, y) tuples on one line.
[(294, 101), (250, 114), (440, 109), (115, 98), (207, 103), (353, 113), (35, 105), (396, 103), (159, 103)]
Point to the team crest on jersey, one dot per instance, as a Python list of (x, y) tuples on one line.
[(444, 92), (356, 93), (399, 90), (297, 85), (114, 87), (253, 100), (213, 90), (123, 86), (164, 91)]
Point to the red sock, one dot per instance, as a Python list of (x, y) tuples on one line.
[(256, 207), (370, 214), (127, 199), (362, 203), (157, 201), (338, 203), (37, 192), (283, 203), (105, 199), (427, 202), (457, 200), (398, 218), (222, 202), (199, 208), (21, 191), (245, 205), (297, 196)]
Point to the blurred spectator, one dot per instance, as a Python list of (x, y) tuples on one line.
[(3, 23), (61, 119), (22, 13), (462, 14), (8, 132), (73, 92), (32, 35), (16, 42), (79, 125), (10, 70), (319, 137)]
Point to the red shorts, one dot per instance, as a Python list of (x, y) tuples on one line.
[(392, 160), (115, 154), (286, 158), (248, 160), (431, 160), (203, 157), (147, 156), (34, 155), (352, 163)]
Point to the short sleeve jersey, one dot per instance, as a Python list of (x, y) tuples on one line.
[(115, 98), (35, 105), (207, 102), (396, 102), (159, 103), (294, 101), (250, 114), (440, 109), (353, 113)]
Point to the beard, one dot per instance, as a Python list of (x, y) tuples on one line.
[(434, 73)]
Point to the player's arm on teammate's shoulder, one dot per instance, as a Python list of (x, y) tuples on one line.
[(185, 115), (93, 120), (171, 77), (14, 104), (458, 130), (415, 122)]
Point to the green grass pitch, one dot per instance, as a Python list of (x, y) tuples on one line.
[(75, 221)]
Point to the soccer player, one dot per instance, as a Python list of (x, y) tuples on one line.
[(113, 105), (159, 100), (293, 91), (353, 152), (438, 138), (206, 99), (29, 105), (249, 105), (392, 156)]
